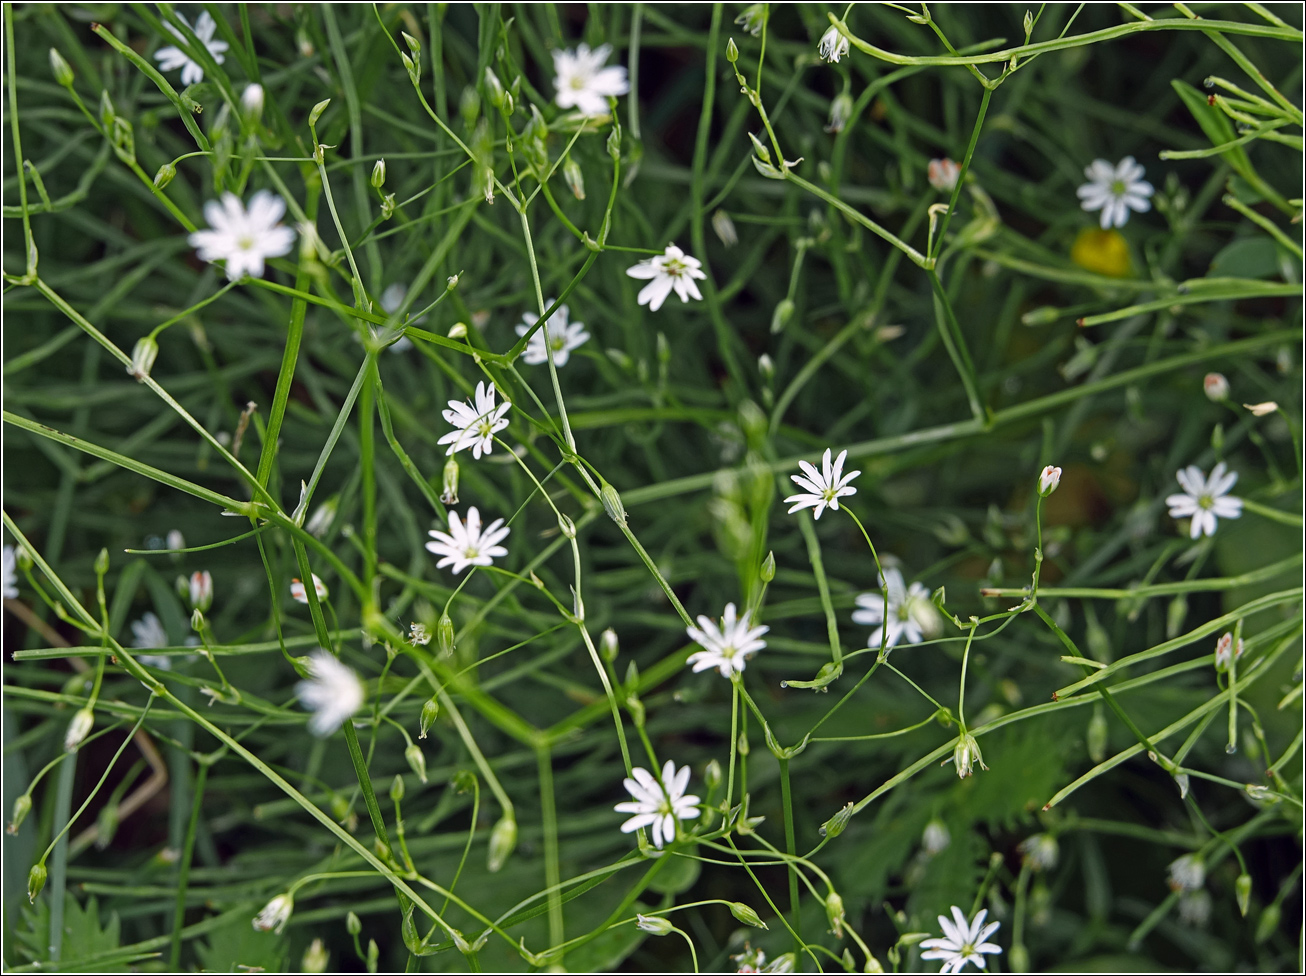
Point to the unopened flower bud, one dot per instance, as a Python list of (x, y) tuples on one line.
[(1266, 927), (35, 880), (317, 111), (767, 571), (1262, 409), (1243, 892), (493, 88), (397, 788), (834, 914), (102, 562), (502, 841), (746, 915), (966, 755), (1096, 738), (935, 838), (201, 590), (197, 620), (1225, 653), (608, 646), (1216, 387), (841, 109), (275, 914), (449, 486), (566, 526), (1048, 480), (143, 356), (63, 74), (834, 826), (942, 174), (251, 103), (22, 807), (416, 760), (413, 43), (782, 314), (378, 174), (444, 634), (732, 51), (167, 172), (577, 606), (430, 712), (574, 177), (458, 330), (612, 504), (653, 924), (353, 924), (315, 958), (725, 228), (78, 729)]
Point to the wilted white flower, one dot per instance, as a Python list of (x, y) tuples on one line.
[(753, 19), (10, 573), (910, 616), (1187, 873), (962, 941), (201, 590), (243, 238), (275, 914), (418, 634), (658, 804), (300, 593), (1048, 480), (653, 924), (1205, 499), (333, 694), (1041, 851), (172, 58), (936, 837), (727, 648), (563, 338), (1216, 387), (475, 426), (824, 487), (1115, 190), (943, 174), (584, 83), (1262, 409), (833, 45), (672, 269), (467, 545), (966, 754), (1224, 652)]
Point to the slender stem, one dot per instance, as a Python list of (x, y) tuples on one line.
[(183, 877), (552, 875)]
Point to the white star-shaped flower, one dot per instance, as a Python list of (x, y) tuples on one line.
[(910, 611), (833, 45), (563, 338), (10, 573), (584, 83), (172, 58), (243, 238), (475, 426), (824, 487), (962, 941), (1205, 500), (333, 693), (300, 593), (727, 648), (148, 632), (468, 545), (672, 269), (658, 804), (1115, 190)]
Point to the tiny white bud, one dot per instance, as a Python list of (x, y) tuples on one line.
[(1216, 387), (502, 841), (942, 174), (201, 590), (275, 914), (608, 645), (378, 174), (143, 356), (78, 729), (725, 228), (315, 958), (1048, 480), (251, 102)]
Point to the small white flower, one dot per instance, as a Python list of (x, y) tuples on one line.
[(243, 238), (728, 648), (936, 837), (1048, 480), (824, 487), (275, 914), (148, 632), (321, 518), (418, 634), (172, 58), (251, 101), (1195, 908), (584, 83), (475, 426), (467, 545), (833, 45), (201, 590), (910, 611), (300, 593), (1224, 652), (1115, 190), (1216, 387), (1205, 500), (1187, 873), (333, 694), (965, 754), (658, 804), (175, 540), (563, 338), (78, 729), (391, 299), (672, 269), (962, 941), (752, 20), (942, 174), (10, 573), (1041, 851)]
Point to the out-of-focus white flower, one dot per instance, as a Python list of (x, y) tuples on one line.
[(962, 941), (300, 593), (475, 427), (175, 540), (943, 174), (243, 238), (1205, 500), (1048, 480), (1115, 190), (1195, 908), (468, 545), (728, 647), (316, 958), (658, 804), (333, 693), (1216, 387), (752, 20), (275, 914), (936, 837), (1224, 651), (725, 228), (321, 518), (1262, 409), (171, 58), (824, 487), (563, 337), (910, 616), (1041, 851), (673, 269), (1187, 873), (832, 45), (201, 590), (148, 632), (841, 110), (10, 573), (251, 101), (584, 83)]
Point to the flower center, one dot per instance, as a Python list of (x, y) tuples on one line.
[(1118, 187), (245, 243), (903, 612), (471, 552), (557, 344), (673, 267), (484, 428), (1205, 501), (578, 82)]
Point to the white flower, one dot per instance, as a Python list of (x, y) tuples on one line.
[(833, 45), (333, 694), (658, 804), (172, 58), (563, 338), (78, 729), (1187, 873), (475, 426), (965, 754), (936, 837), (274, 914), (826, 486), (1041, 851), (1195, 908), (1205, 500), (467, 545), (320, 520), (1216, 387), (673, 268), (148, 632), (1048, 480), (10, 573), (391, 299), (300, 593), (1224, 652), (910, 611), (243, 238), (942, 174), (584, 83), (727, 649), (251, 101), (725, 228), (1262, 409), (1115, 191), (962, 941), (201, 590), (418, 634), (175, 540)]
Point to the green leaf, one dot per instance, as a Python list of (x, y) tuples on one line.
[(83, 937), (1250, 257), (239, 947)]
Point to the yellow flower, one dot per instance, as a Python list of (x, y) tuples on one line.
[(1102, 251)]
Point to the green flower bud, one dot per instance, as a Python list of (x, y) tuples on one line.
[(494, 88), (566, 526), (835, 825), (469, 106), (430, 711), (464, 781), (22, 807), (315, 958), (1243, 891), (746, 915), (1043, 315), (397, 788), (1096, 739), (449, 486), (608, 646), (613, 144), (612, 504), (106, 825), (834, 914), (63, 74), (502, 841), (102, 562), (166, 174), (378, 174), (413, 43), (1266, 927), (36, 881), (373, 954), (353, 924), (732, 51), (444, 634), (417, 760), (317, 111), (78, 729), (712, 775), (768, 568), (574, 177), (653, 924)]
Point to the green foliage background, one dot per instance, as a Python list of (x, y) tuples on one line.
[(950, 401)]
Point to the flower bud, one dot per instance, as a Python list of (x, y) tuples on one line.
[(22, 807), (767, 572), (413, 43), (1266, 927), (251, 103), (1048, 480), (612, 504), (566, 526), (197, 620), (725, 228), (35, 881), (1216, 387), (608, 646), (353, 924), (653, 924), (746, 915), (935, 837), (102, 562), (63, 74), (1243, 891), (577, 606), (942, 174), (275, 914), (966, 755), (781, 316), (574, 177), (167, 172), (201, 590), (397, 788), (416, 760), (503, 838), (378, 174), (834, 826), (1262, 409), (712, 775), (449, 492), (317, 111), (834, 914), (430, 711), (315, 958), (1225, 654), (841, 109), (458, 330), (732, 51), (493, 88), (143, 356), (444, 634), (78, 729)]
